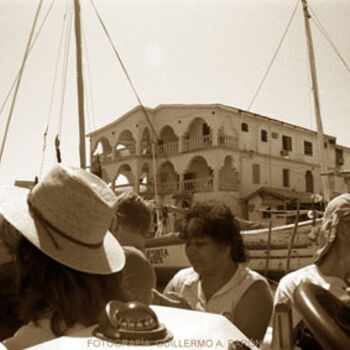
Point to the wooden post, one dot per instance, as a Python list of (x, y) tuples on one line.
[(268, 248), (80, 85), (320, 138), (291, 241)]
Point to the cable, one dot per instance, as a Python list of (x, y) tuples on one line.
[(52, 94), (88, 68), (65, 69), (323, 31), (29, 50), (273, 57), (26, 52), (125, 71)]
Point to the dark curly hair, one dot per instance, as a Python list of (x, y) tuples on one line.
[(215, 219), (68, 295)]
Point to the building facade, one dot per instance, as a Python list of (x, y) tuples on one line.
[(214, 151)]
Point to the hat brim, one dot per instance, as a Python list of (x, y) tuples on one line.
[(105, 259)]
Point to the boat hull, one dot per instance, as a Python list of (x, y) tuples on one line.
[(268, 252)]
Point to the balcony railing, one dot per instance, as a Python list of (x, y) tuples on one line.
[(230, 142), (228, 184), (168, 187), (203, 184), (195, 143), (125, 152), (169, 148)]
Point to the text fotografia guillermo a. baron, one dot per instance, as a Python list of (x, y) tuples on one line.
[(178, 343)]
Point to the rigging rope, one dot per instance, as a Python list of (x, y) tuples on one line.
[(63, 90), (125, 71), (52, 94), (26, 52), (30, 49), (92, 123), (273, 57), (323, 31)]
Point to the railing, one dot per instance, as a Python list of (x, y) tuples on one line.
[(228, 184), (168, 187), (203, 184), (169, 148), (125, 152), (195, 143), (230, 142)]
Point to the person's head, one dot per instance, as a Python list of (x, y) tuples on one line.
[(335, 230), (133, 220), (66, 245), (212, 237)]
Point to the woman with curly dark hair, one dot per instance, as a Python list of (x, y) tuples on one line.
[(219, 280)]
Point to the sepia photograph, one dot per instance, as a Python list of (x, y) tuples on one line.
[(174, 174)]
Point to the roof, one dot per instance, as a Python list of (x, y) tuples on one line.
[(204, 106), (281, 193)]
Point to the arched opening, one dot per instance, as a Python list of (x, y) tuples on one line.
[(199, 176), (124, 180), (228, 176), (168, 178), (169, 142), (126, 145), (198, 135), (102, 150)]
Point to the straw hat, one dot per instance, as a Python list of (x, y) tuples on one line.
[(337, 208), (67, 216)]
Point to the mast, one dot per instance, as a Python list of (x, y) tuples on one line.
[(80, 85), (320, 138)]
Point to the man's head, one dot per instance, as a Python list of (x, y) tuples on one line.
[(133, 219), (335, 228)]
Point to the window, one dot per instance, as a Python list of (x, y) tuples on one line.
[(244, 127), (256, 173), (339, 158), (308, 148), (285, 177), (266, 214), (263, 135), (286, 143)]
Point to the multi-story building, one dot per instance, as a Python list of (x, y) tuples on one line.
[(250, 161)]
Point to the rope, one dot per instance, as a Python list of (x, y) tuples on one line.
[(29, 50), (273, 57), (65, 68), (125, 71), (26, 52), (93, 122), (52, 95), (323, 31)]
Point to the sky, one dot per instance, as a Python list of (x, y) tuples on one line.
[(175, 51)]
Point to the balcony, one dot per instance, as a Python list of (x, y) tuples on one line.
[(229, 142), (228, 184), (167, 149), (203, 184), (197, 143)]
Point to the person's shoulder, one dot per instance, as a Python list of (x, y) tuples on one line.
[(186, 276), (296, 277)]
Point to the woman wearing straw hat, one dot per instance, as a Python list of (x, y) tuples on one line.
[(64, 254), (331, 267)]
